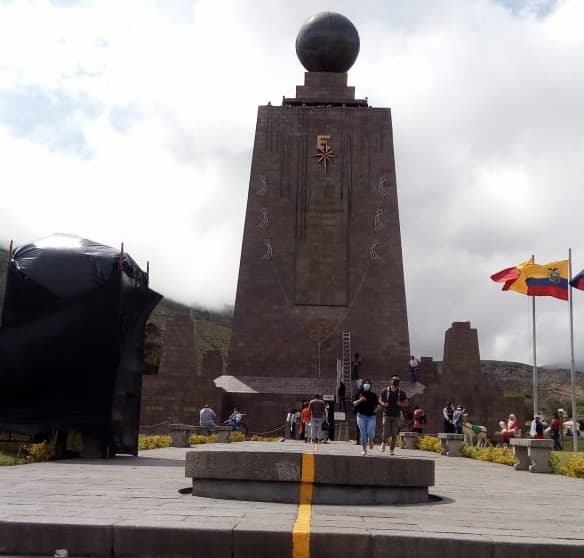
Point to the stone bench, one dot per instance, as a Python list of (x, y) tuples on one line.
[(284, 476), (408, 439), (451, 443), (181, 433), (532, 454)]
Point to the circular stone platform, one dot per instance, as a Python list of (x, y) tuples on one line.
[(335, 479)]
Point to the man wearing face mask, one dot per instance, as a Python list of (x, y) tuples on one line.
[(393, 400), (366, 405)]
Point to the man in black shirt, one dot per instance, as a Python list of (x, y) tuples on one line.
[(341, 396), (393, 400)]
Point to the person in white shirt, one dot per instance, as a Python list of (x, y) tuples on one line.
[(207, 416), (414, 364)]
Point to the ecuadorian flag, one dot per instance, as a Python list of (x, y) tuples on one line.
[(513, 278), (551, 279)]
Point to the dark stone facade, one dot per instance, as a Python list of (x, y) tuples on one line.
[(321, 255), (321, 250), (180, 388)]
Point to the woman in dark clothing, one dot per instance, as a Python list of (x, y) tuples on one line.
[(556, 431), (366, 406)]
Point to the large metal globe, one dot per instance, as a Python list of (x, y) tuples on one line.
[(327, 42)]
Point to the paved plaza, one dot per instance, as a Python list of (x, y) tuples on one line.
[(132, 506)]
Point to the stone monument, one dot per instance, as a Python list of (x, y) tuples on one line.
[(321, 253)]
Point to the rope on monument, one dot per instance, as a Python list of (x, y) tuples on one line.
[(269, 431), (154, 425)]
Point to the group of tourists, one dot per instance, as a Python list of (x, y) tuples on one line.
[(310, 423), (538, 428)]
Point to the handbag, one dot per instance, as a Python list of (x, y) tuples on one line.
[(325, 425)]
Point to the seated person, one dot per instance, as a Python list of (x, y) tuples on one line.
[(207, 417), (510, 430)]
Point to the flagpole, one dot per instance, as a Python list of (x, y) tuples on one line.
[(534, 371), (572, 362)]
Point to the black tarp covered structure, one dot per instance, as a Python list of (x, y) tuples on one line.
[(72, 343)]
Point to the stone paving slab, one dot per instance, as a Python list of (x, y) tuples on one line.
[(131, 506)]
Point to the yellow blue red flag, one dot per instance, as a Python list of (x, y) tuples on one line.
[(551, 279), (513, 278)]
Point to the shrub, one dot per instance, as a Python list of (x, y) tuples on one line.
[(256, 438), (10, 459), (429, 443), (237, 437), (153, 442), (504, 456), (200, 439), (573, 467), (40, 452)]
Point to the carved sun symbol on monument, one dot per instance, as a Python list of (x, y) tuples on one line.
[(325, 156)]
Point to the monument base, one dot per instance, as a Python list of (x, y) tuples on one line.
[(334, 479)]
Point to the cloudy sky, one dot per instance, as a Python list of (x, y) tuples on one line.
[(133, 121)]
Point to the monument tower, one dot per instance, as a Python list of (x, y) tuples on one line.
[(321, 251)]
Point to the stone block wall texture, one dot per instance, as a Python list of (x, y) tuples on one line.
[(179, 390), (321, 251)]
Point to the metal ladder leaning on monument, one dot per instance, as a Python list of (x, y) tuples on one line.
[(344, 428)]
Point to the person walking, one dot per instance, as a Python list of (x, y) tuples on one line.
[(304, 421), (366, 405), (393, 400), (317, 414), (556, 431)]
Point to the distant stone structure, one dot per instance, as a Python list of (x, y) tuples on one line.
[(460, 381)]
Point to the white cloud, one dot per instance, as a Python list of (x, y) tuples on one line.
[(486, 103)]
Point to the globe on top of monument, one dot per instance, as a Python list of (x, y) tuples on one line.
[(327, 42)]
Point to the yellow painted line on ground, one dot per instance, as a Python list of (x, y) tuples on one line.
[(301, 529)]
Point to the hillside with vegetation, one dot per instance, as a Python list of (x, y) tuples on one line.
[(212, 330)]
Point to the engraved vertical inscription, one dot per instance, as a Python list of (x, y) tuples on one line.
[(321, 255), (268, 253)]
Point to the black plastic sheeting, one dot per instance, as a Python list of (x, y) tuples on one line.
[(72, 343)]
